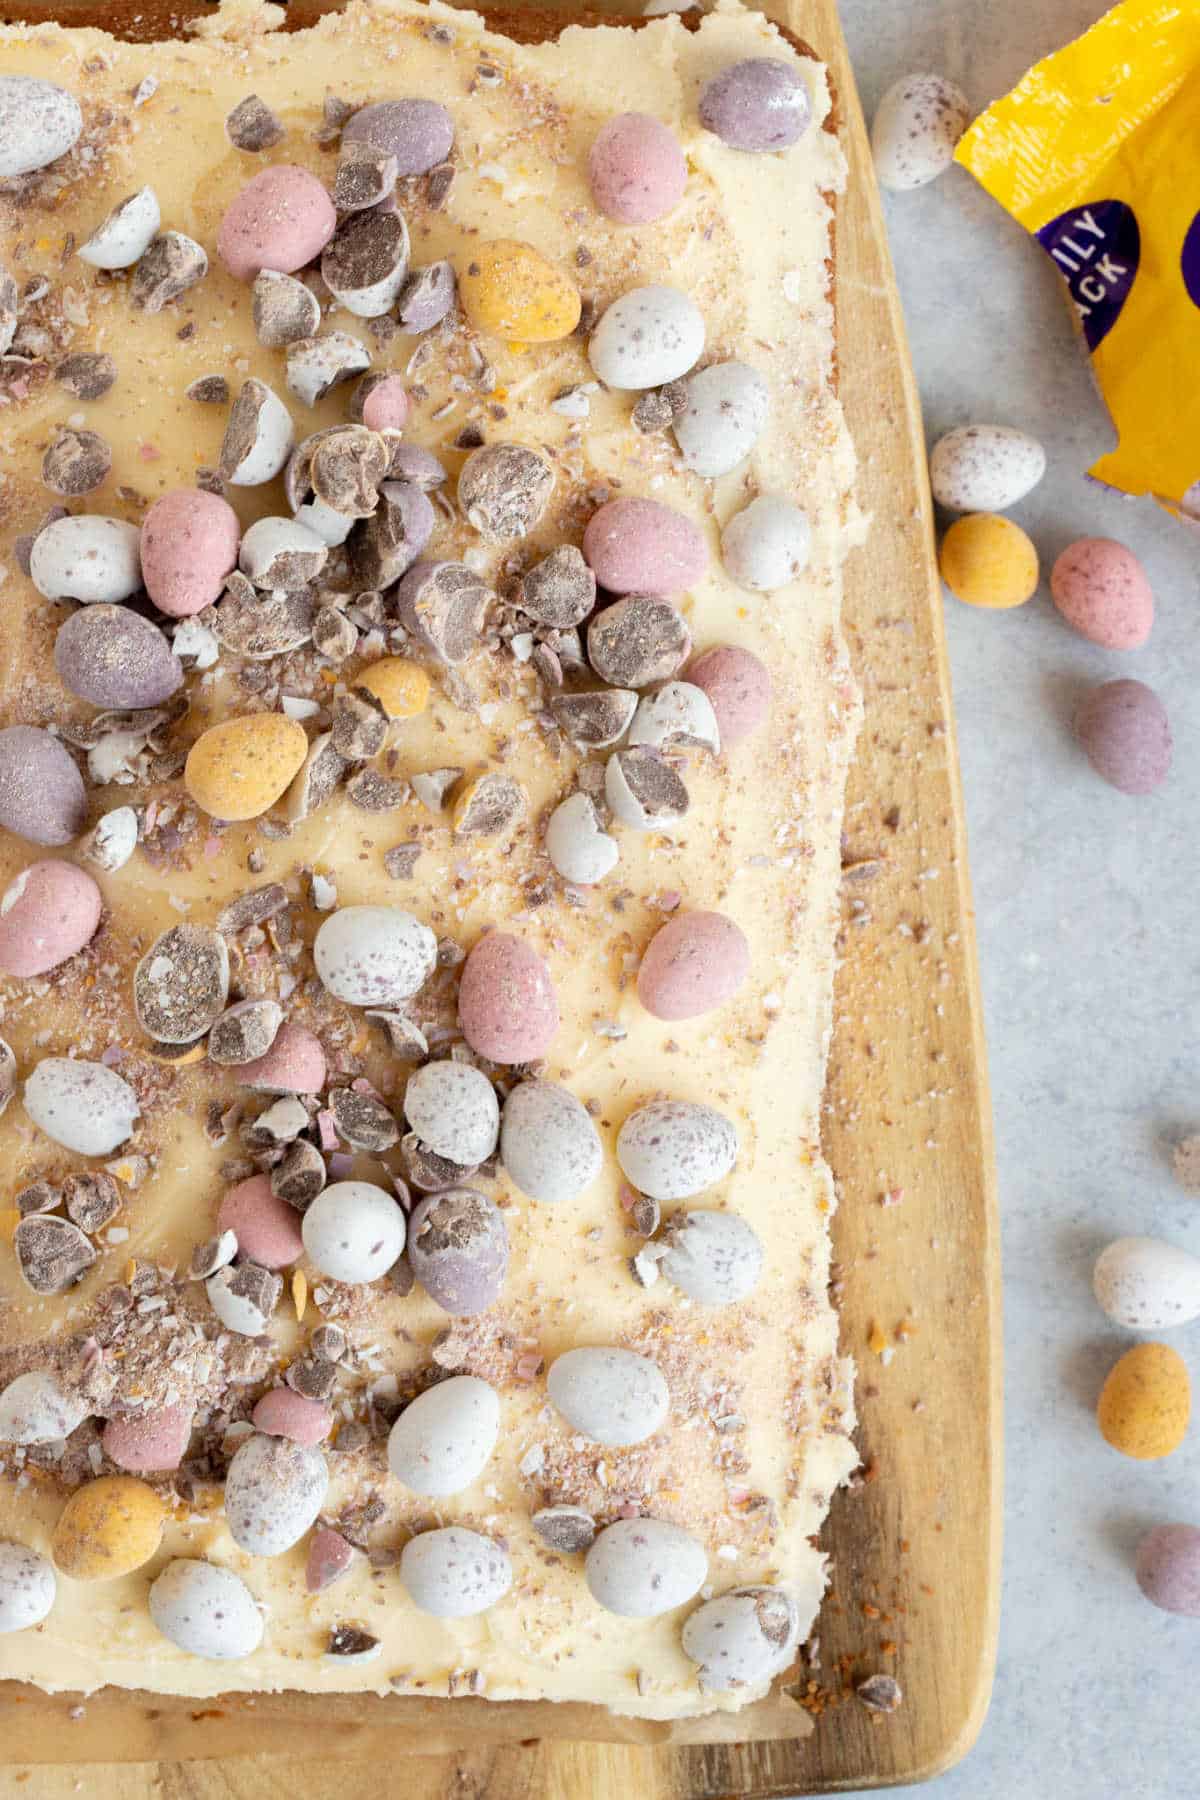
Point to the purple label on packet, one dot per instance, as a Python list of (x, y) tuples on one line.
[(1096, 249), (1190, 260)]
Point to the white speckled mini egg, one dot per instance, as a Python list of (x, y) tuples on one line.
[(374, 955), (454, 1573), (672, 1149), (441, 1442), (677, 716), (916, 129), (581, 851), (206, 1610), (612, 1396), (714, 1257), (766, 545), (454, 1111), (125, 235), (549, 1146), (28, 1586), (727, 406), (35, 1409), (984, 468), (273, 1492), (271, 443), (640, 1568), (87, 557), (647, 336), (353, 1231), (743, 1638), (39, 122), (83, 1106), (1146, 1284)]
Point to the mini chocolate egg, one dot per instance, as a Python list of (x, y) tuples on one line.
[(281, 553), (86, 557), (206, 1610), (39, 122), (1102, 590), (259, 436), (295, 1064), (282, 219), (672, 1149), (648, 336), (42, 796), (47, 913), (989, 561), (108, 1528), (442, 1441), (694, 963), (381, 401), (507, 1007), (267, 1228), (766, 545), (353, 1232), (917, 125), (454, 1111), (366, 262), (549, 1146), (189, 544), (1168, 1568), (458, 1250), (83, 1106), (580, 851), (639, 1568), (273, 1493), (726, 408), (28, 1586), (636, 169), (453, 1573), (641, 547), (36, 1409), (984, 468), (374, 955), (151, 1441), (759, 104), (243, 1297), (124, 237), (282, 1412), (181, 984), (612, 1396), (1145, 1402), (1126, 736), (743, 1638), (738, 686), (1147, 1285), (638, 640), (112, 657), (644, 790), (330, 1557), (112, 839), (713, 1257), (511, 290), (426, 297), (239, 767), (418, 133)]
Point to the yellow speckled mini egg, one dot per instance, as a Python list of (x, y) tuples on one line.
[(1146, 1401), (512, 291), (401, 687), (108, 1528), (989, 561), (236, 769)]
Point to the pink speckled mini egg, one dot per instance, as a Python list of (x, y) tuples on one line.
[(507, 1006), (639, 547), (329, 1558), (636, 169), (738, 686), (267, 1228), (1102, 590), (146, 1442), (295, 1064), (280, 220), (384, 404), (696, 962), (283, 1413), (47, 913), (189, 545)]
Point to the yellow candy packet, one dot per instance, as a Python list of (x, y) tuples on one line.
[(1096, 152)]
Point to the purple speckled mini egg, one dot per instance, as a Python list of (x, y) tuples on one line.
[(696, 962), (738, 686), (458, 1250), (507, 1006), (47, 913), (1124, 730), (759, 104), (42, 797), (1168, 1568), (1102, 590), (113, 657), (418, 133), (640, 547), (636, 168)]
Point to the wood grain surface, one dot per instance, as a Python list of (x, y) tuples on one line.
[(916, 1541)]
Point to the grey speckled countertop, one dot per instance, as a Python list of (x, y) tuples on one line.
[(1091, 967)]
